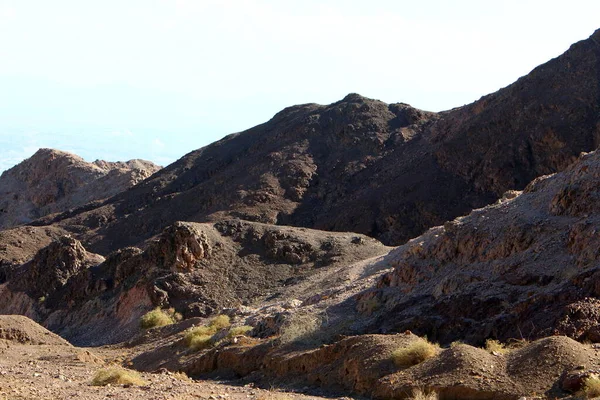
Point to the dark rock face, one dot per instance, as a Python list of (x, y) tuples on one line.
[(52, 267), (196, 268), (388, 171), (516, 269)]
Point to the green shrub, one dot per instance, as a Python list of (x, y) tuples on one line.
[(158, 317), (117, 376), (416, 352)]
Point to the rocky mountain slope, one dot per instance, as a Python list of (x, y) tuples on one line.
[(53, 181), (388, 171), (525, 267), (522, 268), (198, 269)]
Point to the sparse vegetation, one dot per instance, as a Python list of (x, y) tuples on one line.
[(419, 394), (159, 317), (274, 396), (591, 386), (196, 341), (494, 346), (300, 329), (239, 330), (415, 353), (201, 337), (220, 322), (117, 376)]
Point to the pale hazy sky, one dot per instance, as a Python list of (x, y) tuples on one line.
[(155, 79)]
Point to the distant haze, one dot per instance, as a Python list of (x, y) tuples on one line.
[(155, 79)]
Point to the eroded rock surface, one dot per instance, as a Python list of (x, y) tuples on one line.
[(198, 269), (523, 267), (53, 181)]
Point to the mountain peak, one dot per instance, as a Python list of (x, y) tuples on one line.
[(54, 181)]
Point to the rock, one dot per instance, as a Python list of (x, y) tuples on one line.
[(501, 268), (53, 181), (574, 380), (389, 171)]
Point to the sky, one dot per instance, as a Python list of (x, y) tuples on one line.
[(156, 79)]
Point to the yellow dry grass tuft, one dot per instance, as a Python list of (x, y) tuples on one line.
[(117, 376), (415, 353), (220, 322), (201, 337), (591, 386), (198, 341), (494, 346), (239, 330), (157, 318), (419, 394)]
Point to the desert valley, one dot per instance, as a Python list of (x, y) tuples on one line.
[(358, 249)]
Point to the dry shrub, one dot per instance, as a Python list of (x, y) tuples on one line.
[(201, 337), (198, 341), (158, 317), (117, 376), (591, 386), (416, 352), (220, 322), (300, 328), (274, 396), (239, 330), (494, 346), (419, 394)]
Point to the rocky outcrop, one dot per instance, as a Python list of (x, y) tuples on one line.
[(525, 267), (551, 367), (198, 269), (53, 181)]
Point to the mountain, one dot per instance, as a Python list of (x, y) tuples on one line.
[(53, 181), (500, 198), (387, 171), (197, 268), (525, 267)]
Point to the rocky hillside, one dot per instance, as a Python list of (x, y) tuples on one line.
[(53, 181), (386, 170), (198, 269), (525, 267)]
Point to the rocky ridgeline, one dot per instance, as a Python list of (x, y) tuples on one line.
[(389, 171), (53, 181)]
